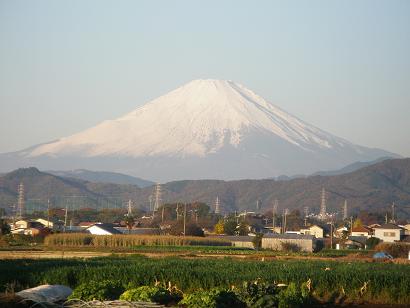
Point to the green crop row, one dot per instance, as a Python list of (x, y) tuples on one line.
[(374, 282)]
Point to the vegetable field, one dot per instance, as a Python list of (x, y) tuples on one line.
[(372, 282)]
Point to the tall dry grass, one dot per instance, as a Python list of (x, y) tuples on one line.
[(123, 240)]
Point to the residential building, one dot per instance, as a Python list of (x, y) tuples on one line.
[(361, 231), (389, 232), (314, 230)]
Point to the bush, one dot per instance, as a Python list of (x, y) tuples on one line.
[(291, 297), (397, 250), (257, 241), (151, 294), (372, 242), (97, 290), (214, 298)]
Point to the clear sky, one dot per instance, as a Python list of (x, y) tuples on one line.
[(343, 66)]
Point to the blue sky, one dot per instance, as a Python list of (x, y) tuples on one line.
[(343, 66)]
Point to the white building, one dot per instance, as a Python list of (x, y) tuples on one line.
[(314, 230), (389, 233), (103, 229)]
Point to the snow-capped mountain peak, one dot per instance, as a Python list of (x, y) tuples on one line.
[(203, 129), (196, 119)]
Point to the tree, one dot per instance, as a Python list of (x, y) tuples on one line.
[(219, 227), (230, 227), (357, 223), (243, 228), (4, 227), (190, 229), (129, 221)]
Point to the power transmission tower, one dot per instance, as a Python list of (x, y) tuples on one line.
[(258, 205), (322, 214), (158, 197), (20, 203), (345, 210), (217, 206), (129, 212), (306, 211)]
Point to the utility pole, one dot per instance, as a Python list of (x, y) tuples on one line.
[(184, 218), (392, 213), (177, 210), (274, 210), (65, 218), (48, 213), (351, 225), (331, 234), (285, 213)]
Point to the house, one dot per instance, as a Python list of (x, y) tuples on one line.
[(340, 231), (361, 231), (406, 229), (276, 241), (389, 232), (314, 230), (86, 224), (53, 225), (102, 229), (27, 227), (355, 242), (276, 230)]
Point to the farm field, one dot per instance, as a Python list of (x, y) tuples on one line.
[(337, 282)]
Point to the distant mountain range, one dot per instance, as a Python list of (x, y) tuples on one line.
[(371, 188), (205, 129), (103, 177)]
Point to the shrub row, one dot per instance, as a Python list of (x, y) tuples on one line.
[(81, 239), (397, 250)]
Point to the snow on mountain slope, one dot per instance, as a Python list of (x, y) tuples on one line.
[(196, 119), (204, 129)]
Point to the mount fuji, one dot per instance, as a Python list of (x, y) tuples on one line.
[(205, 129)]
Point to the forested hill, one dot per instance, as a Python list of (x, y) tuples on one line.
[(371, 188)]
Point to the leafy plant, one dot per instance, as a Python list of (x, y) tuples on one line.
[(151, 294), (214, 298), (259, 294), (97, 290)]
